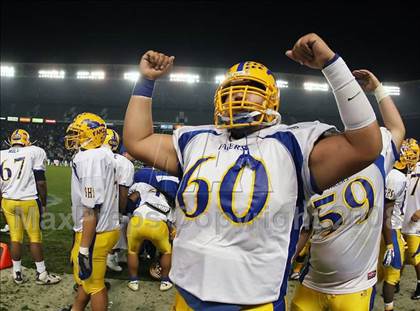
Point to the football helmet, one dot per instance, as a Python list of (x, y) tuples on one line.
[(20, 137), (87, 131), (409, 154), (112, 139), (233, 107)]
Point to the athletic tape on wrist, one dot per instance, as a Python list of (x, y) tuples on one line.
[(144, 87), (380, 93), (84, 250)]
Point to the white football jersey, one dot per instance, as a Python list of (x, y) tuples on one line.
[(125, 170), (17, 180), (396, 183), (347, 224), (412, 202), (94, 184), (150, 195), (239, 210)]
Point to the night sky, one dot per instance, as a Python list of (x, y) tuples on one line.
[(381, 36)]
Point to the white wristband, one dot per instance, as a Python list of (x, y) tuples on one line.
[(380, 93), (353, 105), (84, 250)]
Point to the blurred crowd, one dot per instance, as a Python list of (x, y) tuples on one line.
[(50, 137)]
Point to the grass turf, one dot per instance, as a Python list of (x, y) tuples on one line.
[(57, 235)]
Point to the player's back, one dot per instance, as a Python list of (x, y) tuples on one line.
[(17, 171), (94, 184), (396, 190), (152, 204), (160, 180)]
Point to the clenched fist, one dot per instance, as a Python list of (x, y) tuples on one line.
[(154, 64), (310, 50)]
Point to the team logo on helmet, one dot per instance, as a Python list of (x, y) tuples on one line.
[(112, 139), (19, 137), (16, 136), (87, 131)]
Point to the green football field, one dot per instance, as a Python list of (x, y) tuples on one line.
[(57, 238), (57, 234), (57, 243)]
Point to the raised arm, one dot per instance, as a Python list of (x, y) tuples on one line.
[(337, 157), (154, 149), (390, 114)]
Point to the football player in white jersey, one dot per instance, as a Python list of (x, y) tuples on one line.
[(411, 223), (244, 179), (393, 244), (151, 221), (94, 196), (125, 173), (347, 222), (23, 193)]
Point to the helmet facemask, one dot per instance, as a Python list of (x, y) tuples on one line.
[(87, 131), (71, 140), (409, 155), (247, 98)]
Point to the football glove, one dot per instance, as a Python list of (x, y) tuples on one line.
[(388, 256), (85, 266)]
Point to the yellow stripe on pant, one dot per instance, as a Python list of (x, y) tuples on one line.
[(391, 275), (22, 215), (104, 242)]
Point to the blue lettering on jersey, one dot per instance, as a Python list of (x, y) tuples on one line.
[(227, 147)]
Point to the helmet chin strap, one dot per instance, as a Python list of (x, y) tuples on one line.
[(245, 117), (248, 117), (276, 120)]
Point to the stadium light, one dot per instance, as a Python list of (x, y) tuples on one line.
[(25, 120), (393, 90), (282, 84), (3, 118), (13, 119), (37, 120), (131, 75), (166, 127), (51, 74), (219, 78), (90, 75), (7, 71), (312, 86), (184, 77)]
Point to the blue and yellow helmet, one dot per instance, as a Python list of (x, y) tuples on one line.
[(231, 98), (20, 137), (112, 139), (409, 154), (87, 131)]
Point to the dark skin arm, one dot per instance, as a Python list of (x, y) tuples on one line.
[(41, 187), (386, 227), (90, 219), (123, 196)]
